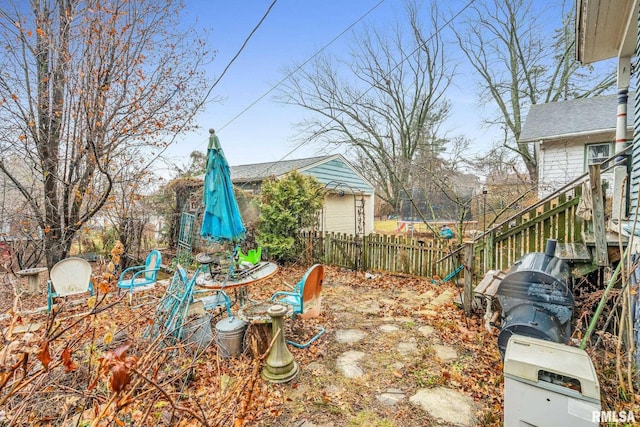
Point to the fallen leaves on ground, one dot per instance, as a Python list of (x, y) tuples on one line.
[(101, 367)]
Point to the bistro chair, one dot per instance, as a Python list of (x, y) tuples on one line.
[(305, 299), (141, 277)]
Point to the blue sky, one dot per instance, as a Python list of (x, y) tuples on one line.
[(293, 32)]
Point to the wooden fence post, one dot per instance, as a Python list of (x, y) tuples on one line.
[(468, 277), (599, 230)]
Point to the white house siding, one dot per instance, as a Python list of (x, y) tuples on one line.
[(338, 214), (560, 162), (339, 211)]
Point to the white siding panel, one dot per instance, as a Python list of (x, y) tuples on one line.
[(339, 214), (562, 162)]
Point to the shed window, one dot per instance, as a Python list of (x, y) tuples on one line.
[(597, 153)]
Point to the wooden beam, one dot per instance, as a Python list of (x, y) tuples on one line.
[(468, 277), (599, 230)]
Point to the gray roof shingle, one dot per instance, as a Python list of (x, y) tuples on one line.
[(574, 117), (260, 171)]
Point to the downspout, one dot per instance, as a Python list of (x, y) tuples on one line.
[(619, 202)]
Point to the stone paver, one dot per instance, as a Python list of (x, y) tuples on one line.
[(406, 348), (350, 335), (347, 363), (391, 397), (445, 404), (443, 298), (371, 307), (426, 330), (388, 328), (445, 353), (401, 319)]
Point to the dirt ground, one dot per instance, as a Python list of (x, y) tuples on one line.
[(390, 344)]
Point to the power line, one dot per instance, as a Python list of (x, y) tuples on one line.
[(213, 85), (244, 44), (261, 97), (406, 57), (298, 68)]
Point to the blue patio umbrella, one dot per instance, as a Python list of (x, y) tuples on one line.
[(222, 221)]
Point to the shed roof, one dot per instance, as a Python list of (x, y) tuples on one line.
[(575, 117), (261, 171), (334, 171)]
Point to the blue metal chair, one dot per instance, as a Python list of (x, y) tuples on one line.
[(141, 276), (305, 299), (70, 276), (172, 308)]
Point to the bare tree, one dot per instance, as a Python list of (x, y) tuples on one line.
[(84, 83), (519, 63), (444, 186), (382, 102)]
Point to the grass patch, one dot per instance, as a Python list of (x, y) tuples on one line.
[(366, 418)]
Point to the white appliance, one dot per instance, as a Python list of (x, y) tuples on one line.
[(549, 384)]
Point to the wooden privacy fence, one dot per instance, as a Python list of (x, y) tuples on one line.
[(377, 252), (497, 249)]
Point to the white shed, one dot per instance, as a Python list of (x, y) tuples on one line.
[(349, 205), (571, 135)]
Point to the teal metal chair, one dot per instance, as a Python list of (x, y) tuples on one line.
[(141, 277), (71, 276), (305, 299), (171, 311)]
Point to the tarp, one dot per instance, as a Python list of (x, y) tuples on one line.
[(222, 220)]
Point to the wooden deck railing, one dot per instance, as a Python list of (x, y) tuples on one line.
[(553, 218)]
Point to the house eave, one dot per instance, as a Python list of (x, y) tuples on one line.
[(605, 133), (605, 29)]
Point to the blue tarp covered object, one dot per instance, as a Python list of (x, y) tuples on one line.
[(222, 220)]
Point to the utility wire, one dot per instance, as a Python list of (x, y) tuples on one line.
[(261, 97), (406, 57), (213, 85), (244, 44)]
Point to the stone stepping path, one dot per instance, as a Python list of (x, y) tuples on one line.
[(446, 405)]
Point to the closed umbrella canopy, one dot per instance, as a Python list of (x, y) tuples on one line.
[(222, 221)]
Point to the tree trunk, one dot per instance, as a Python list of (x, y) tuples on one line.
[(56, 249)]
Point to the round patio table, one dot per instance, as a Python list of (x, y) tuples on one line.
[(239, 281), (240, 278)]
